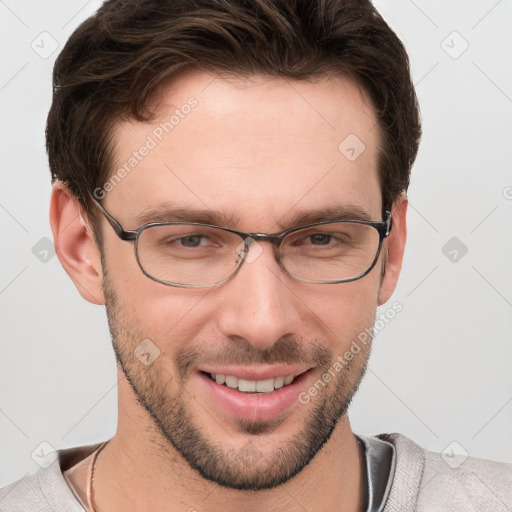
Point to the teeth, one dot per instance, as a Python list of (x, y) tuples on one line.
[(253, 386), (231, 382), (279, 382), (264, 386), (247, 385)]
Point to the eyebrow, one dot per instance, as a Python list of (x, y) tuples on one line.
[(340, 212), (165, 212)]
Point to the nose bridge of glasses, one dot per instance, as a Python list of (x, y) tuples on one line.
[(253, 239), (263, 237)]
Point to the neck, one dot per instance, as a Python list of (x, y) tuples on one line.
[(139, 458)]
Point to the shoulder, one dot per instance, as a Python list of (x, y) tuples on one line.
[(426, 481), (46, 490), (457, 482), (39, 492), (25, 494)]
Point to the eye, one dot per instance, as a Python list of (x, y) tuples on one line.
[(179, 238), (329, 240), (319, 239), (191, 241)]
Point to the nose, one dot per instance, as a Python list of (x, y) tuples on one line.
[(259, 303)]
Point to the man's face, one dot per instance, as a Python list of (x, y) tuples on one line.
[(259, 151)]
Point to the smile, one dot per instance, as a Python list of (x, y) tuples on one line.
[(253, 386), (254, 393)]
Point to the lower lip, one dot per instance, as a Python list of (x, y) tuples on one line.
[(254, 406)]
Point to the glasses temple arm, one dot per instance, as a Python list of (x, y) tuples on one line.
[(116, 226)]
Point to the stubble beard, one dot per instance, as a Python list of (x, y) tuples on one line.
[(244, 468)]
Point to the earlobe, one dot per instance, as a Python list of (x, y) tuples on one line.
[(75, 245), (395, 245)]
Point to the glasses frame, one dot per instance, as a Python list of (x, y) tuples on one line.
[(382, 227)]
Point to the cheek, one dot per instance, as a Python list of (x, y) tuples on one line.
[(347, 309), (171, 316)]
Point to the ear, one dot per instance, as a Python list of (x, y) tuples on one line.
[(395, 246), (75, 245)]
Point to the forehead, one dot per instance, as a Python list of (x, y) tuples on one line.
[(256, 148)]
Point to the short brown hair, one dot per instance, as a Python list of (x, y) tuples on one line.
[(115, 61)]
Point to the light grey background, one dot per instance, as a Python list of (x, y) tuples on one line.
[(440, 372)]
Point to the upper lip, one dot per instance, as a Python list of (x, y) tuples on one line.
[(257, 372)]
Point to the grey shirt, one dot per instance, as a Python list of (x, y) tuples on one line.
[(402, 477)]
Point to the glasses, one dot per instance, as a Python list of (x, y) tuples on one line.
[(194, 255)]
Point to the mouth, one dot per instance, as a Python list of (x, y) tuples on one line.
[(245, 396), (262, 386)]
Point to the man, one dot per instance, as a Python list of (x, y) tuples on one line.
[(230, 181)]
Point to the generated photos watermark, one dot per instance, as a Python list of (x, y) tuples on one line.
[(363, 339), (152, 141)]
